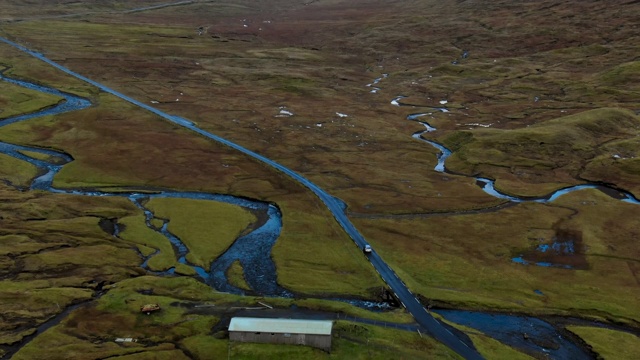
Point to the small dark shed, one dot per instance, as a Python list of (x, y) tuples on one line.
[(315, 333)]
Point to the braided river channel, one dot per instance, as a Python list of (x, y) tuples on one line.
[(253, 250)]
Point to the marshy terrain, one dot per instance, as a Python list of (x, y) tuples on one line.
[(488, 151)]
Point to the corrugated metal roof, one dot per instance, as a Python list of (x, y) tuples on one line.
[(291, 326)]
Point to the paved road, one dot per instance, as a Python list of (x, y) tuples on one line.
[(336, 206)]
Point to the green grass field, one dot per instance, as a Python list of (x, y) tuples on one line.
[(471, 267), (609, 344), (538, 159), (15, 100), (207, 228)]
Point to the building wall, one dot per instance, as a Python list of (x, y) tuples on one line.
[(318, 341)]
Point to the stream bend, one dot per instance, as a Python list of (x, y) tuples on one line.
[(409, 301), (263, 237)]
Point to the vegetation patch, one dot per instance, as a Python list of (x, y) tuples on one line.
[(320, 258), (352, 341), (235, 276), (138, 233), (16, 100), (17, 172), (207, 228), (527, 161), (609, 344), (436, 260)]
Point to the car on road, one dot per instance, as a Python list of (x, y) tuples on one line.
[(367, 249)]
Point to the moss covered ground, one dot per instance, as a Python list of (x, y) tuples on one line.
[(15, 100), (473, 266), (597, 145), (182, 331), (206, 230), (609, 344)]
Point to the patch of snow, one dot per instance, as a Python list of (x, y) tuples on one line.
[(395, 100), (478, 124), (155, 102), (123, 340), (442, 102), (342, 115), (284, 112)]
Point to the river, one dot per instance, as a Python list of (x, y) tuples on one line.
[(261, 269)]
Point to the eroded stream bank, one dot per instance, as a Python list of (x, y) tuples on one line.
[(259, 269), (564, 247)]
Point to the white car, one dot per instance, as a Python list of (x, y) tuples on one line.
[(367, 249)]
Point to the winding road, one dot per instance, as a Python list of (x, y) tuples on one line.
[(432, 326)]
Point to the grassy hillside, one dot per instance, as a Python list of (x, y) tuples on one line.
[(537, 159)]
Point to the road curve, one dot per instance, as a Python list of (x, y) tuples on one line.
[(336, 206)]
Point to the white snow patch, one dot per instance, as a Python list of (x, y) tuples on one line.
[(125, 340), (342, 115), (442, 102), (284, 112), (155, 102), (478, 124)]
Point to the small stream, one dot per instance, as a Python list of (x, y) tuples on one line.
[(252, 251), (565, 249), (531, 335), (528, 334)]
